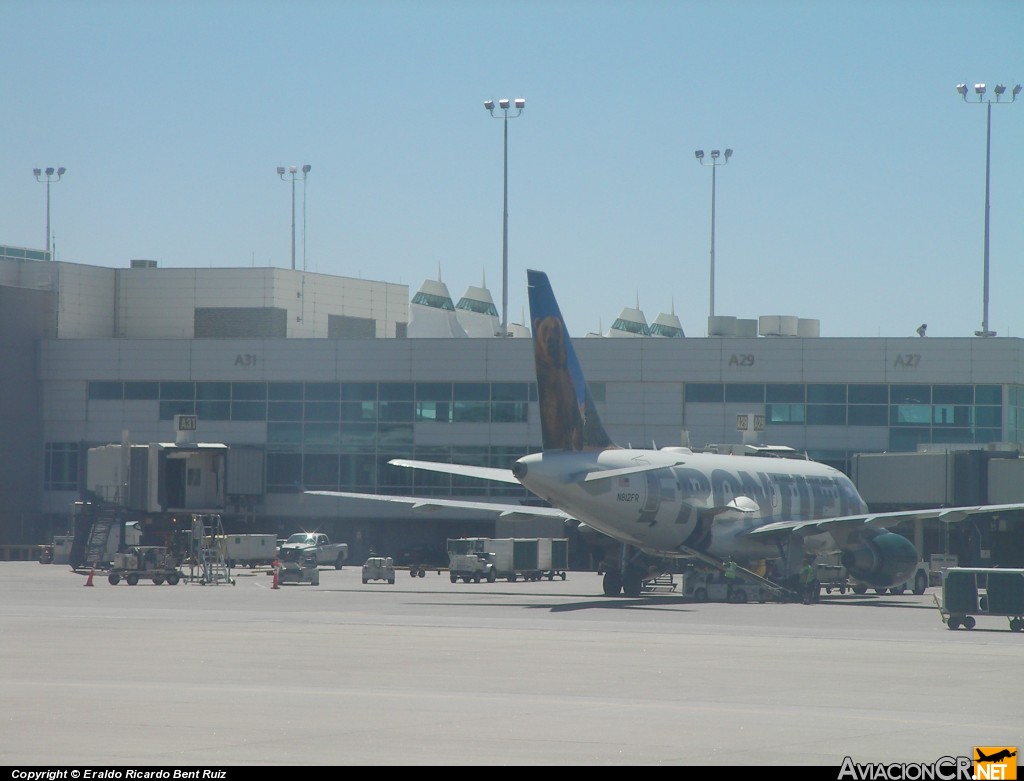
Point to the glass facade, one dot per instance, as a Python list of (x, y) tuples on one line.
[(61, 466), (340, 436), (915, 414), (21, 253)]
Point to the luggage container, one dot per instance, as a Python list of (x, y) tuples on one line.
[(553, 557), (250, 550), (968, 592)]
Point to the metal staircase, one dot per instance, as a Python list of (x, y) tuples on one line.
[(207, 551), (663, 584), (93, 523)]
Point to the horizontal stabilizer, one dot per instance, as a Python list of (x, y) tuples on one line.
[(482, 472), (650, 464)]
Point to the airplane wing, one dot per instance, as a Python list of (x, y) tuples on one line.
[(881, 520), (508, 512)]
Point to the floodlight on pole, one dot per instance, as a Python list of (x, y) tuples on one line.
[(503, 105), (51, 176), (1000, 91), (714, 163), (292, 175)]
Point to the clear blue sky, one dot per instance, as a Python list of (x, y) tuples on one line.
[(855, 194)]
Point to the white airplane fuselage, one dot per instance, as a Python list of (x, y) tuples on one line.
[(704, 503)]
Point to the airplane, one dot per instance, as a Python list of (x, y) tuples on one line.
[(674, 504), (997, 757)]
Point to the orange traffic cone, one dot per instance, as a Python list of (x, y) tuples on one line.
[(88, 582)]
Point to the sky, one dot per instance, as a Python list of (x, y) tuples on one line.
[(855, 194)]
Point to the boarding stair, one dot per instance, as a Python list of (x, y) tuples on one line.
[(768, 587), (663, 584), (207, 551), (93, 523)]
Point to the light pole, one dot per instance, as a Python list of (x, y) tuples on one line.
[(715, 155), (305, 171), (503, 106), (979, 90), (293, 174), (50, 177)]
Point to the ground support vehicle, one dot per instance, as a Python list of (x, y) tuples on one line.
[(471, 567), (379, 568), (421, 558), (713, 586), (327, 553), (510, 558), (297, 566), (968, 592), (250, 550), (149, 562), (468, 561)]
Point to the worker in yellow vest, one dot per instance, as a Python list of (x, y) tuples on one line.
[(807, 582), (730, 577)]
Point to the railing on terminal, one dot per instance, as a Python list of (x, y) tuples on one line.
[(19, 552)]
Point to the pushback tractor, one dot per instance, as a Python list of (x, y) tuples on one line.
[(145, 562)]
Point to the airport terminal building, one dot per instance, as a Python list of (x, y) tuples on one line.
[(314, 381)]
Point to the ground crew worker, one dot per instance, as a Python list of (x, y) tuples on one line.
[(730, 577), (807, 580), (730, 569)]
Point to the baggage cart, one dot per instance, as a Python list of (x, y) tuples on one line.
[(969, 592)]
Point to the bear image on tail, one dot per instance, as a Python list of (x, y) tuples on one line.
[(561, 425)]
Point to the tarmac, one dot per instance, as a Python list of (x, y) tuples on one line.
[(430, 673)]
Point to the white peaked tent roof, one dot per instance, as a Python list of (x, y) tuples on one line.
[(432, 314), (476, 313), (630, 322), (667, 325), (518, 331)]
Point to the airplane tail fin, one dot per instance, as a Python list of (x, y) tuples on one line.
[(568, 417)]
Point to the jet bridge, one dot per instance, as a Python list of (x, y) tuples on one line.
[(159, 477)]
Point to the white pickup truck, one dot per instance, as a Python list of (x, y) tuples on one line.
[(327, 553)]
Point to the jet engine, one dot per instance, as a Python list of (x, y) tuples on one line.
[(882, 560)]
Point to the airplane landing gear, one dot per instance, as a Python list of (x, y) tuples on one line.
[(612, 584)]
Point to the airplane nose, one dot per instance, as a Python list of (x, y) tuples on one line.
[(519, 470)]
